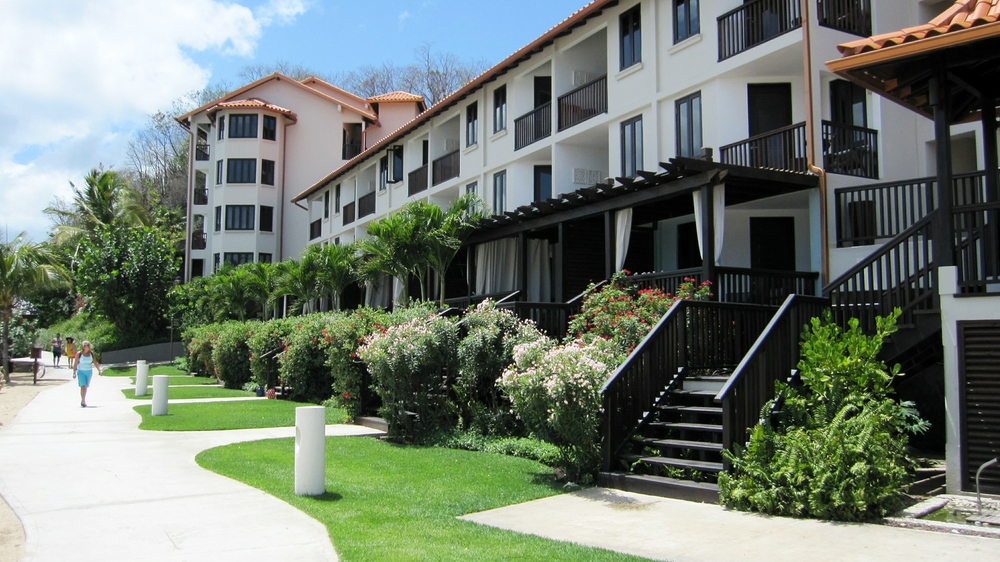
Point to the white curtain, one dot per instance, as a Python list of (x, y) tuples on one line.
[(539, 271), (623, 232), (718, 216), (497, 266), (397, 292)]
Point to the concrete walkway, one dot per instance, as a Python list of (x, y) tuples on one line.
[(88, 485), (680, 531)]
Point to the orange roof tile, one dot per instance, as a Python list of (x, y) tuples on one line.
[(252, 103), (396, 97), (963, 14)]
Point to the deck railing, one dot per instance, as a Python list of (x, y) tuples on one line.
[(366, 205), (446, 167), (850, 150), (585, 102), (666, 281), (201, 196), (198, 240), (761, 286), (416, 181), (533, 126), (201, 151), (780, 149), (348, 213), (549, 317), (976, 230), (771, 358), (756, 22), (851, 16), (351, 149)]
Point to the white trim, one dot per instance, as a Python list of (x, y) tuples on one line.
[(693, 40), (629, 71)]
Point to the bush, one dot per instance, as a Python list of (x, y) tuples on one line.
[(840, 450), (408, 364), (23, 332), (524, 447), (265, 337), (341, 339), (302, 366), (200, 340), (555, 390), (83, 326), (230, 354)]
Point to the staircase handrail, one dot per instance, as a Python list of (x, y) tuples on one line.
[(641, 348)]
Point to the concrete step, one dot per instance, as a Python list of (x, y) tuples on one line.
[(713, 384), (703, 492), (372, 422)]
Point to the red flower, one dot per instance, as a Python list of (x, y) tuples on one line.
[(347, 395)]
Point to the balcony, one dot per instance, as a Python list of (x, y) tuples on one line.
[(351, 149), (849, 16), (756, 22), (533, 126), (201, 196), (850, 150), (315, 229), (416, 181), (366, 205), (585, 102), (201, 152), (198, 240), (348, 213), (446, 167), (780, 149)]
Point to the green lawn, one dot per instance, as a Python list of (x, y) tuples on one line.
[(181, 393), (389, 502), (157, 370), (246, 414), (183, 380)]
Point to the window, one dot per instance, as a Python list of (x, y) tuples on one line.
[(686, 20), (197, 268), (218, 172), (689, 126), (543, 183), (425, 148), (500, 192), (396, 159), (499, 109), (336, 199), (241, 170), (631, 38), (215, 262), (264, 258), (238, 258), (326, 204), (631, 146), (242, 126), (472, 188), (266, 218), (266, 172), (383, 167), (848, 103), (472, 124), (270, 127), (239, 217), (222, 127), (218, 218)]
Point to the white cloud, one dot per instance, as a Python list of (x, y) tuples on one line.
[(80, 76), (403, 16)]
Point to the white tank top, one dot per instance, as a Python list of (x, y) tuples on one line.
[(86, 362)]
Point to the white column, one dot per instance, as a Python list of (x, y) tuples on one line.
[(141, 377), (160, 385), (310, 450)]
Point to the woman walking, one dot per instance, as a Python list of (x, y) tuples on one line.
[(84, 369), (70, 351)]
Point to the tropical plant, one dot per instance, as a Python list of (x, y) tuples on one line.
[(105, 200), (447, 229), (338, 268), (394, 247), (235, 291), (300, 280), (24, 267)]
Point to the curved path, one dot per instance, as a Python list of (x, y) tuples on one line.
[(87, 484)]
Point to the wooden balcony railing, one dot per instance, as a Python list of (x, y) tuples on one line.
[(533, 126), (446, 167), (201, 152), (201, 196), (976, 231), (756, 22), (366, 205), (198, 240), (780, 149), (758, 286), (348, 213), (315, 229), (666, 281), (351, 149), (585, 102), (851, 16), (850, 150), (416, 181)]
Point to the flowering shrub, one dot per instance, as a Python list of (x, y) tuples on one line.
[(230, 354), (199, 348), (555, 390), (264, 338), (408, 364), (302, 364), (624, 314), (483, 355)]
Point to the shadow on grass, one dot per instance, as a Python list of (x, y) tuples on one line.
[(327, 497)]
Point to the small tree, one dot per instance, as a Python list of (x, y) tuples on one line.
[(338, 268)]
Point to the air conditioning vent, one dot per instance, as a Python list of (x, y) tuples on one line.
[(581, 77), (451, 145), (587, 177)]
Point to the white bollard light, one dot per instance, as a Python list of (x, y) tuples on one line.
[(160, 385), (310, 450), (141, 377)]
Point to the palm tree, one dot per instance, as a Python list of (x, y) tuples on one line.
[(234, 290), (338, 268), (24, 267), (105, 200), (446, 230), (267, 276), (300, 280), (393, 247)]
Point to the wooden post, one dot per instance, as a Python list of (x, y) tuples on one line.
[(990, 238), (609, 244), (707, 233), (522, 243), (944, 251)]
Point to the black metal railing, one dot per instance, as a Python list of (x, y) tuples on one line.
[(503, 299), (351, 149), (201, 196), (780, 149), (851, 16), (901, 274), (693, 335), (198, 240), (549, 317), (416, 181), (976, 231), (771, 358), (533, 126), (201, 152), (315, 229), (585, 102), (756, 22), (366, 205), (850, 150), (348, 213), (758, 286), (666, 281), (446, 167)]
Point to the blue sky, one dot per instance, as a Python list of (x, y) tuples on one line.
[(80, 77)]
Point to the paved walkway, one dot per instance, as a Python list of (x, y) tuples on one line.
[(88, 485)]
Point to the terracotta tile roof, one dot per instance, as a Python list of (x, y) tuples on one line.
[(396, 97), (251, 103), (963, 14)]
